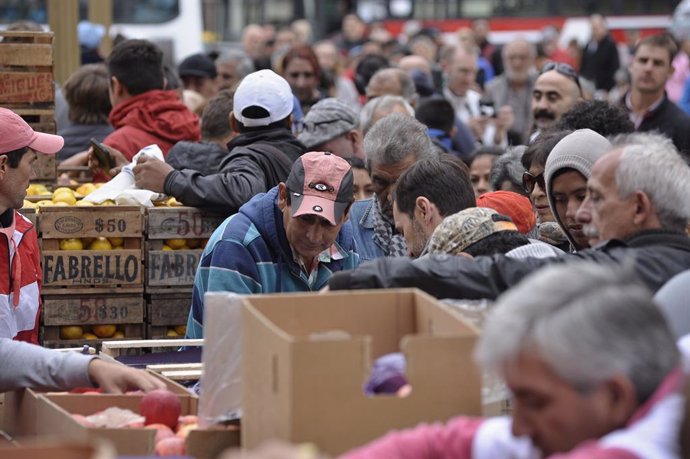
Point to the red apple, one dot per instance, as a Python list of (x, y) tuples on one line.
[(173, 446), (160, 407), (162, 431)]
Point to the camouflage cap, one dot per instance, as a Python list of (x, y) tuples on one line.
[(459, 231)]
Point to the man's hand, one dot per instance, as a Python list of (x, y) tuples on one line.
[(150, 173), (117, 379), (118, 157)]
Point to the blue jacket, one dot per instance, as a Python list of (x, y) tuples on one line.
[(249, 254), (362, 220)]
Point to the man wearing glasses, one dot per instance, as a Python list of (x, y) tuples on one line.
[(555, 92)]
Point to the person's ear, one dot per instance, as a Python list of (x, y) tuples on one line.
[(425, 208), (233, 122), (644, 209), (282, 196), (4, 166), (621, 398)]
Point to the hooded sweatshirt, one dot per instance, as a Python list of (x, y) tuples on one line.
[(249, 254), (258, 161), (153, 117), (203, 156), (577, 151)]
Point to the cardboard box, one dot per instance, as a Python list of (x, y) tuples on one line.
[(59, 450), (305, 384)]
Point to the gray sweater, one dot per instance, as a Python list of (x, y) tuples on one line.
[(27, 365)]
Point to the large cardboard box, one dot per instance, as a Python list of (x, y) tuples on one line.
[(306, 358)]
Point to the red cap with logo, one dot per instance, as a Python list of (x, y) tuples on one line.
[(16, 134)]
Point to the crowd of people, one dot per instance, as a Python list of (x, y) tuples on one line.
[(521, 173)]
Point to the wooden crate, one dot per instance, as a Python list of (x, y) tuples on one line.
[(168, 271), (93, 309), (161, 332), (26, 87), (101, 271), (26, 77), (165, 310), (51, 337)]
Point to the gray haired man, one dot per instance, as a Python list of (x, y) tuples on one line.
[(593, 368), (392, 146)]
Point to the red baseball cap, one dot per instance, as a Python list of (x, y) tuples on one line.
[(320, 184), (16, 134)]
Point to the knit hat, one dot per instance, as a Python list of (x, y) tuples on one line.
[(197, 65), (578, 151), (264, 89), (327, 119), (513, 205), (459, 231), (320, 184)]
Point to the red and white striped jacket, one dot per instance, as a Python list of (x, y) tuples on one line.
[(20, 280)]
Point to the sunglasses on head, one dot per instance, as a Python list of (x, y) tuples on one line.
[(529, 181), (565, 70)]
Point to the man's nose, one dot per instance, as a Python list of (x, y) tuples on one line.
[(583, 213), (520, 427)]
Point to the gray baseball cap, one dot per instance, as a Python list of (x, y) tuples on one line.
[(327, 119)]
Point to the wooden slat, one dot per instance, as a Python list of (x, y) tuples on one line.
[(81, 310), (26, 54), (171, 268), (168, 310), (92, 268), (115, 348), (183, 375), (101, 221), (180, 222), (26, 87)]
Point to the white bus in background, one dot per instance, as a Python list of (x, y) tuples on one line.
[(175, 25)]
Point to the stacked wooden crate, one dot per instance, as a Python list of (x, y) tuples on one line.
[(98, 290), (175, 237), (26, 87)]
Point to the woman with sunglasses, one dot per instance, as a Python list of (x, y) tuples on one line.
[(534, 161)]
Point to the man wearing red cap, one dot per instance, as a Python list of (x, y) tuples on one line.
[(290, 239), (20, 266)]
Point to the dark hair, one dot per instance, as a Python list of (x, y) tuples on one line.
[(14, 157), (445, 181), (497, 243), (86, 92), (481, 151), (215, 121), (539, 150), (356, 162), (302, 52), (256, 112), (172, 79), (663, 40), (366, 68), (597, 115), (436, 113), (137, 65)]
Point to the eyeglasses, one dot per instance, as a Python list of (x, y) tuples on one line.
[(529, 181), (563, 69)]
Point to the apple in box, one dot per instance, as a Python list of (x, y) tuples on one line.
[(160, 406)]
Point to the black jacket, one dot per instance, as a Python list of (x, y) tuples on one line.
[(599, 66), (204, 157), (254, 165), (654, 256), (671, 121)]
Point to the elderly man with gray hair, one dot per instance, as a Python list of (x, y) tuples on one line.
[(593, 368), (231, 66), (635, 213), (392, 146)]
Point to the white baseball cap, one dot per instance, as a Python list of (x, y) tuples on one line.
[(265, 89)]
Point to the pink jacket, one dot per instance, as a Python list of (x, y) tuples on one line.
[(650, 434)]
